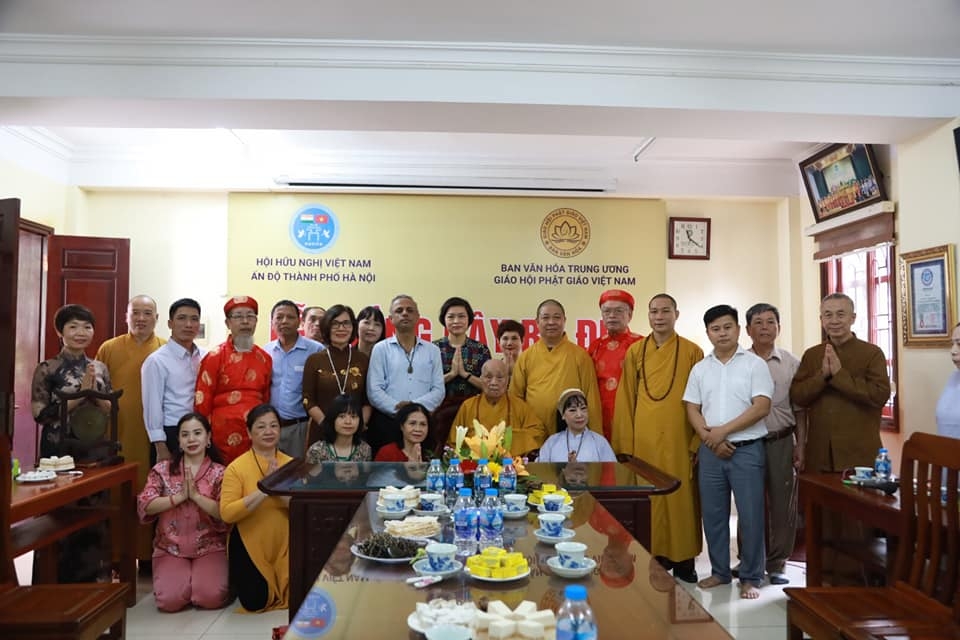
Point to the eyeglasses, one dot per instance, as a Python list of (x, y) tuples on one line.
[(341, 324), (243, 317)]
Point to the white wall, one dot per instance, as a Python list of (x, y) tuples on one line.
[(178, 246), (41, 199)]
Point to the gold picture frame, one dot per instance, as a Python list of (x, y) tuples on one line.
[(927, 280)]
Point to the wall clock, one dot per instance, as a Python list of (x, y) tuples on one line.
[(688, 238)]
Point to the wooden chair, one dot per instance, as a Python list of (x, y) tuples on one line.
[(922, 601), (61, 611)]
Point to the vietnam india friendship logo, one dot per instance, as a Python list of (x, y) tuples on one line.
[(314, 228), (565, 232)]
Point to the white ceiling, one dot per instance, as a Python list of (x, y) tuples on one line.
[(721, 98)]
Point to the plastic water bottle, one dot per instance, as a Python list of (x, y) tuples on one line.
[(453, 481), (882, 466), (491, 520), (465, 520), (575, 617), (482, 480), (435, 477), (508, 477)]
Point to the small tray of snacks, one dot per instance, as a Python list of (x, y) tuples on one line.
[(386, 549), (495, 621), (418, 528), (494, 564)]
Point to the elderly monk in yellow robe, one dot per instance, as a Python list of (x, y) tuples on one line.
[(553, 364), (495, 405), (616, 311), (124, 356), (650, 422)]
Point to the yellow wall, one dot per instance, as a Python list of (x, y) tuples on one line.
[(41, 199), (927, 182)]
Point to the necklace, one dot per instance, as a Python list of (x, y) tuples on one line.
[(580, 446), (409, 356), (346, 372), (257, 460), (643, 369), (336, 454)]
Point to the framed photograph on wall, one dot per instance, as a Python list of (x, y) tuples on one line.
[(842, 178), (927, 280)]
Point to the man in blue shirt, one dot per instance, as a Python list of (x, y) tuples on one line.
[(403, 368), (289, 352)]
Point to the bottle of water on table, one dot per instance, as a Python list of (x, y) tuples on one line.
[(575, 617), (482, 480), (882, 466), (453, 481), (508, 477), (491, 520), (465, 521), (435, 477)]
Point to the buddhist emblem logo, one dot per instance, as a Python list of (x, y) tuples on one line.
[(565, 232)]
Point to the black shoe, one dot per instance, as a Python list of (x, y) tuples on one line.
[(685, 570), (778, 577)]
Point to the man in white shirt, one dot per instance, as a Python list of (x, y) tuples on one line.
[(169, 378), (403, 368), (727, 398)]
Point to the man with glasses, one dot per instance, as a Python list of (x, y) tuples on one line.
[(234, 378), (616, 311), (289, 353)]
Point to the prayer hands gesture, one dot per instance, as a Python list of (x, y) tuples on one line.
[(457, 365), (89, 380), (190, 484), (831, 362)]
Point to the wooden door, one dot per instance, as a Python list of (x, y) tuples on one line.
[(29, 350), (94, 272), (9, 220)]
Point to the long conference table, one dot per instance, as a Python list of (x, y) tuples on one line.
[(632, 596), (325, 498)]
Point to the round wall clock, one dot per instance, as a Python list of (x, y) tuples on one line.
[(688, 238)]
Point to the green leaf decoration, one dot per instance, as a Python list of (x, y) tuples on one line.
[(508, 439), (483, 449)]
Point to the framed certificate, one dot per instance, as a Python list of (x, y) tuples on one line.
[(927, 280)]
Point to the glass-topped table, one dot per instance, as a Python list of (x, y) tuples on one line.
[(325, 497), (630, 593)]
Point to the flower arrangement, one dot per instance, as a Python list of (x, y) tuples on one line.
[(492, 444)]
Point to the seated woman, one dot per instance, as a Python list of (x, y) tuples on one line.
[(414, 444), (190, 545), (340, 434), (259, 546), (371, 329), (81, 556), (575, 442), (339, 369), (463, 359)]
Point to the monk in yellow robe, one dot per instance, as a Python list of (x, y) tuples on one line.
[(124, 356), (650, 422), (495, 405), (553, 364)]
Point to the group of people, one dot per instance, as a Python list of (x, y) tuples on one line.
[(333, 387)]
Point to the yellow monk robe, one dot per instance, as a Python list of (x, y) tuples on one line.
[(650, 422), (528, 432), (265, 530), (124, 357), (541, 375)]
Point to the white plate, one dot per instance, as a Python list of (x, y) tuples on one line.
[(37, 476), (422, 567), (510, 579), (564, 510), (392, 515), (439, 512), (355, 550), (589, 564), (413, 621), (515, 515), (566, 534)]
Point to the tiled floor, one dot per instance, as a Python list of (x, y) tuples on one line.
[(760, 619)]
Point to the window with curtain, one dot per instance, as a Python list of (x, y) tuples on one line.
[(867, 276)]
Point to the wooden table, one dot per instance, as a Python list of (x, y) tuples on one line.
[(632, 596), (42, 513), (324, 498), (826, 491)]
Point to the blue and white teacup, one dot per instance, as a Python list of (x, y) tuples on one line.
[(570, 554), (515, 501), (441, 555), (553, 501), (551, 524), (393, 501), (431, 502)]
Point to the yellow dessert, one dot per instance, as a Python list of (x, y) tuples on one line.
[(497, 563)]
